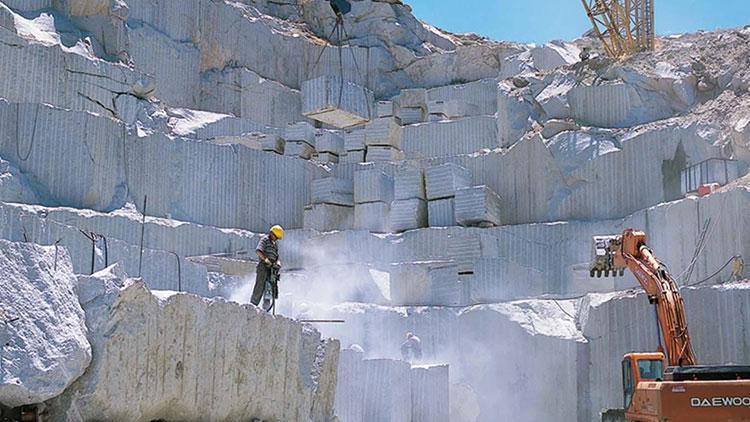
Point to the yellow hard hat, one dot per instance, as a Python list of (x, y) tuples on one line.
[(278, 231)]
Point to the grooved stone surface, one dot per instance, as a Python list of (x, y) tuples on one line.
[(338, 103), (408, 214), (478, 205), (409, 183), (444, 180), (372, 216), (329, 217), (331, 190), (441, 212), (371, 185), (158, 348)]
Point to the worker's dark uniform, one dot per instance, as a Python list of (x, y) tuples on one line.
[(270, 249)]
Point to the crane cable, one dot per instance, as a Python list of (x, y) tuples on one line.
[(339, 29)]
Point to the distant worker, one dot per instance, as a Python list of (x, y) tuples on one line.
[(268, 252), (585, 54), (411, 349)]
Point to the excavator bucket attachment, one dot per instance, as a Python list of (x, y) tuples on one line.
[(602, 257)]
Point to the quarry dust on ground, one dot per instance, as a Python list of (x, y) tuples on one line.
[(438, 192)]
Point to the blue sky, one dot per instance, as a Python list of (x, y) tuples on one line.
[(544, 20)]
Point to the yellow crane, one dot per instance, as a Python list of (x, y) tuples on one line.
[(623, 26)]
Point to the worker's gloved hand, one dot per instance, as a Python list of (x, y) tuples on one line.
[(267, 262), (277, 265)]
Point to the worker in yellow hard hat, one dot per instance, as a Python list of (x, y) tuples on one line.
[(268, 253)]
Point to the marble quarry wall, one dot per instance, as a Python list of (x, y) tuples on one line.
[(438, 184)]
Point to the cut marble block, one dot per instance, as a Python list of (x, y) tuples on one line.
[(465, 251), (409, 183), (254, 140), (298, 149), (328, 217), (271, 143), (372, 216), (387, 391), (430, 393), (500, 280), (483, 93), (300, 131), (410, 284), (338, 103), (447, 289), (331, 190), (329, 142), (246, 141), (452, 109), (415, 98), (354, 157), (444, 180), (383, 153), (478, 206), (411, 115), (441, 213), (372, 185), (449, 138), (408, 214), (326, 158), (350, 387), (385, 108), (354, 140), (383, 131)]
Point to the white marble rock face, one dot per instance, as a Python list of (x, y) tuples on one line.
[(183, 329), (43, 330), (461, 196)]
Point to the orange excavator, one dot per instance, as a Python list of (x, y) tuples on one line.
[(669, 385)]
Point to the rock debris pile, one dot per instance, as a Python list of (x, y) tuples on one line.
[(434, 183)]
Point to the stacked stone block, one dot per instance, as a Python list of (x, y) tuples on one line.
[(332, 206), (412, 106), (441, 184), (300, 140), (329, 146), (409, 210), (478, 206), (383, 140), (354, 143), (373, 194)]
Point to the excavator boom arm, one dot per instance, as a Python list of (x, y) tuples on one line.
[(630, 250)]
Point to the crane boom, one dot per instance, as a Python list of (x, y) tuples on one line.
[(631, 251), (624, 27)]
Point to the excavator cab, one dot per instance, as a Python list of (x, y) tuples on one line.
[(638, 367)]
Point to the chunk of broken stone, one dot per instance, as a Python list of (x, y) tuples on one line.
[(42, 326), (208, 359)]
